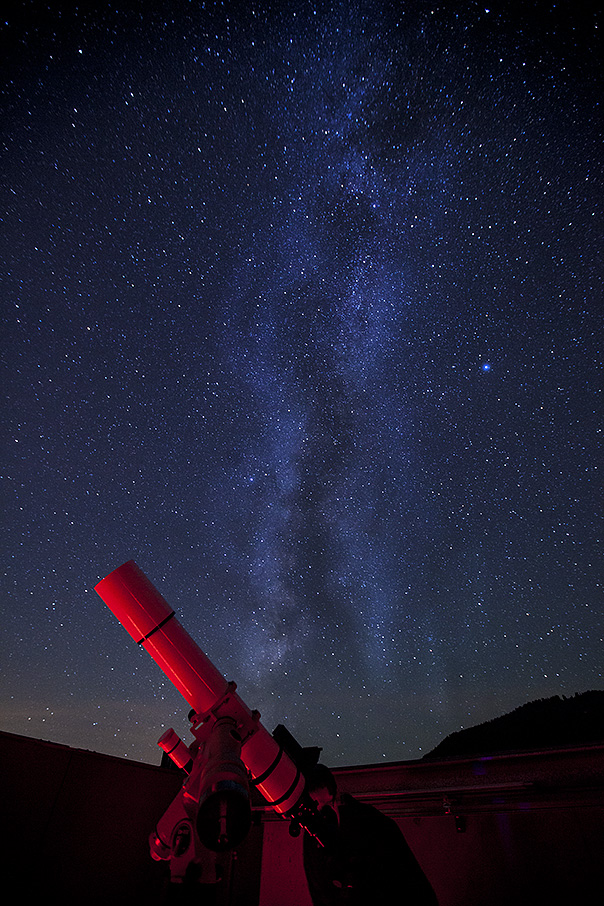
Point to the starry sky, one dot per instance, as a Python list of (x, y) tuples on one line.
[(302, 311)]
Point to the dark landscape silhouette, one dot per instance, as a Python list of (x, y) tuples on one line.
[(545, 723)]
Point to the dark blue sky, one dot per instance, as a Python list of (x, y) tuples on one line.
[(302, 311)]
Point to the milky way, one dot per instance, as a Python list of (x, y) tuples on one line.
[(302, 311)]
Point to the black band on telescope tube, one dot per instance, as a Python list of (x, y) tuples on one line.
[(155, 628), (175, 746), (256, 781), (289, 792)]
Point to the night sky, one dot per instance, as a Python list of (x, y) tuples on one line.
[(302, 311)]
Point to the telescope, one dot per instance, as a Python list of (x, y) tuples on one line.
[(232, 749)]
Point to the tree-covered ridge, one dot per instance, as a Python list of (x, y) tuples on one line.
[(546, 722)]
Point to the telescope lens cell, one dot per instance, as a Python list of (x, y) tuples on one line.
[(224, 818)]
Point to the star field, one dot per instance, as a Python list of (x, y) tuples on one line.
[(302, 311)]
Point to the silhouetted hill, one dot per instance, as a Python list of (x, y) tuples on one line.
[(545, 723)]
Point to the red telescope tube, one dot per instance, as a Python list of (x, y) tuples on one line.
[(151, 622)]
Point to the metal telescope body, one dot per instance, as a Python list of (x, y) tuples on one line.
[(214, 798)]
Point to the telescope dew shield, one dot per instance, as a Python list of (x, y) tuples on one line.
[(151, 622), (176, 749)]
